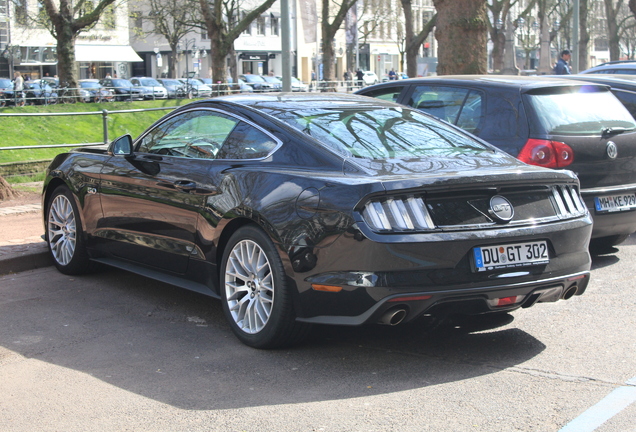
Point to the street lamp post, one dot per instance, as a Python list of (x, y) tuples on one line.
[(189, 44), (510, 56)]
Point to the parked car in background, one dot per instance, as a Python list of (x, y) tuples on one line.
[(548, 122), (296, 84), (39, 92), (320, 209), (277, 85), (151, 88), (256, 82), (174, 87), (623, 67), (6, 85), (123, 89), (370, 78), (65, 94), (196, 87), (96, 92), (240, 87)]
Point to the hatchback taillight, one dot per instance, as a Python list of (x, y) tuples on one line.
[(545, 153)]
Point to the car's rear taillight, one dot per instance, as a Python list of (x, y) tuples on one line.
[(397, 214), (545, 153)]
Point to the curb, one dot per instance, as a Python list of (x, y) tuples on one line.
[(23, 257), (25, 254)]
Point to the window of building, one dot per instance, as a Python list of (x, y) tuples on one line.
[(275, 26), (260, 25), (108, 18), (248, 30), (138, 20), (21, 12), (601, 44), (204, 34)]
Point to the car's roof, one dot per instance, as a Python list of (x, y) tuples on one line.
[(620, 64), (291, 101), (609, 79), (523, 83)]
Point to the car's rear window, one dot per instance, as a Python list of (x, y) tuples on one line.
[(581, 110), (381, 133)]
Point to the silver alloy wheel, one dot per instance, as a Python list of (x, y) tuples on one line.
[(249, 286), (61, 230)]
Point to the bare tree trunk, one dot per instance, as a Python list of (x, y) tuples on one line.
[(584, 35), (173, 61), (498, 38), (461, 33), (411, 54), (66, 61), (611, 15), (329, 32)]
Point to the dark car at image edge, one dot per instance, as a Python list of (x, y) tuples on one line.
[(302, 209), (543, 121)]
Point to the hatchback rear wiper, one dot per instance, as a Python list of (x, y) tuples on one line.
[(609, 132)]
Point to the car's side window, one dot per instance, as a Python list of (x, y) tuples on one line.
[(470, 115), (195, 134), (386, 93), (459, 106), (628, 99), (246, 142)]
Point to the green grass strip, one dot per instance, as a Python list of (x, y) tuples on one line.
[(27, 131)]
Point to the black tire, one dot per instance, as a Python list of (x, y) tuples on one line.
[(265, 319), (64, 234)]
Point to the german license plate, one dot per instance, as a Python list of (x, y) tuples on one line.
[(510, 255), (615, 203)]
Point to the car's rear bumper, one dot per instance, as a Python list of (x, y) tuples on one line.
[(399, 308), (371, 277), (614, 223)]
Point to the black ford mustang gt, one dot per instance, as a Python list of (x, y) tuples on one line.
[(330, 209)]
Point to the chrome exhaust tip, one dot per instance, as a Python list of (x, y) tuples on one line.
[(569, 292), (393, 317)]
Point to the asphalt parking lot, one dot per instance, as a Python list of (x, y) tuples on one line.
[(114, 351)]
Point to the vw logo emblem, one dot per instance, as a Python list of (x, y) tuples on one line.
[(501, 209), (612, 150)]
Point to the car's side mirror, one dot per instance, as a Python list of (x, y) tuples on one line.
[(122, 146)]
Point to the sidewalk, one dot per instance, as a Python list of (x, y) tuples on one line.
[(21, 244)]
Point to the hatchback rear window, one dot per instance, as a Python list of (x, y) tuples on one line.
[(580, 110)]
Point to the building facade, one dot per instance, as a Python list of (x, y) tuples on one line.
[(30, 49)]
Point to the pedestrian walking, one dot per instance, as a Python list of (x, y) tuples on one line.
[(359, 75), (18, 89), (562, 67)]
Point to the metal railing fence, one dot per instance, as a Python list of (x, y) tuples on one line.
[(104, 113), (218, 89), (64, 95)]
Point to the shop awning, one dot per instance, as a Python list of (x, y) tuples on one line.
[(106, 53)]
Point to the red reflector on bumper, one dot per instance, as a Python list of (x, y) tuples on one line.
[(410, 298), (505, 301)]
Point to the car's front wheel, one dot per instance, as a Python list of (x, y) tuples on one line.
[(64, 233), (256, 299)]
